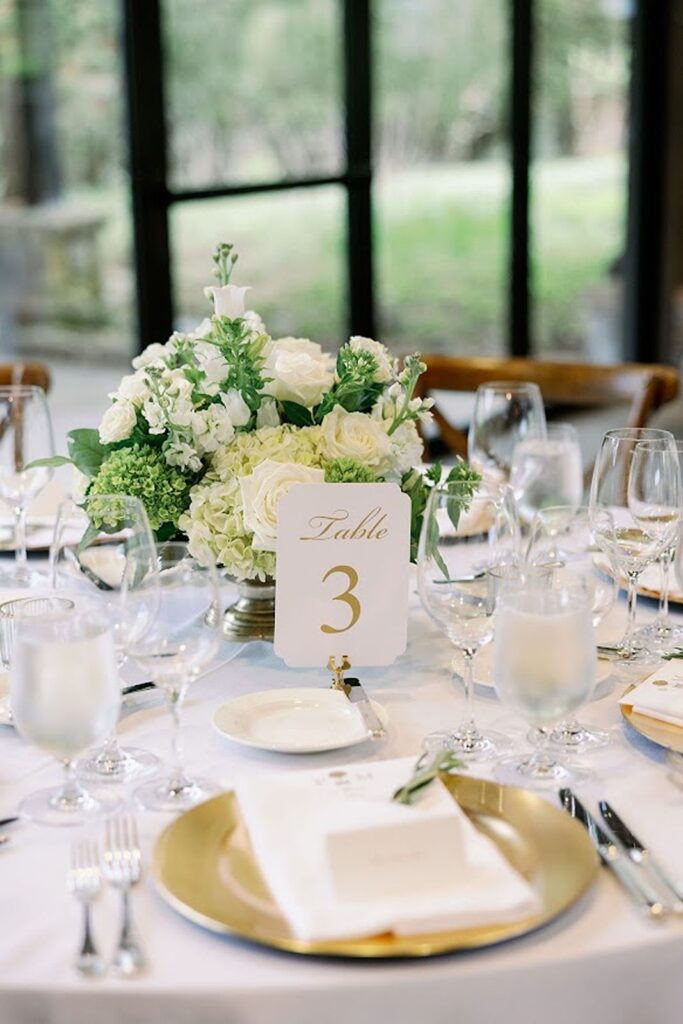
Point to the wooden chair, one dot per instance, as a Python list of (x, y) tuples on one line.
[(25, 373), (643, 386)]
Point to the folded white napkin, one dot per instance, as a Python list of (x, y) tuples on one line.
[(660, 695), (292, 819)]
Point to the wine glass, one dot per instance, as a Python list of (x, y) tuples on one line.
[(629, 544), (543, 669), (103, 551), (563, 537), (65, 695), (466, 532), (547, 471), (25, 436), (505, 413), (182, 641)]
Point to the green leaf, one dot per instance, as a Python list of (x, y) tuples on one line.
[(54, 460), (86, 450), (297, 414), (167, 531), (88, 537)]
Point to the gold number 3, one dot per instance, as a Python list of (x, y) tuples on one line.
[(347, 596)]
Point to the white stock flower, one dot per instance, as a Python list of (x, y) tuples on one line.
[(219, 428), (267, 415), (254, 322), (301, 372), (181, 454), (385, 364), (118, 422), (228, 300), (261, 493), (354, 435), (202, 329), (236, 407), (155, 416), (406, 451), (133, 388), (152, 354)]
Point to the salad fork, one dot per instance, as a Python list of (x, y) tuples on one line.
[(122, 868), (83, 880)]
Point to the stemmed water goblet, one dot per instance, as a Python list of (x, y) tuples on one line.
[(25, 436), (562, 537), (505, 413), (467, 532), (643, 496), (547, 471), (181, 643), (543, 669), (103, 552), (65, 694)]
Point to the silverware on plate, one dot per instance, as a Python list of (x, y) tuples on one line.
[(627, 873), (357, 695), (83, 880), (639, 853), (122, 869)]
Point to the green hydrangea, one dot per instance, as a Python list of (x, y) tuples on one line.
[(142, 473), (348, 471)]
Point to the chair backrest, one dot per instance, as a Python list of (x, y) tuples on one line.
[(25, 373), (644, 386)]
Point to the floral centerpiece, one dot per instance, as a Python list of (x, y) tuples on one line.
[(213, 427)]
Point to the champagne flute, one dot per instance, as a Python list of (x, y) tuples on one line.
[(466, 533), (626, 542), (543, 669), (65, 694), (25, 436), (182, 641), (505, 413), (547, 471), (103, 551), (563, 537)]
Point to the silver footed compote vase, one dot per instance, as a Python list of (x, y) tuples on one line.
[(252, 616)]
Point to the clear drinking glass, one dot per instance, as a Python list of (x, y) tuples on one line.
[(464, 537), (544, 670), (103, 551), (547, 471), (632, 544), (182, 642), (563, 537), (25, 435), (65, 694), (505, 413), (11, 613)]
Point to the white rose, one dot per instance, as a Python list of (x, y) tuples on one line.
[(152, 354), (133, 388), (262, 491), (385, 364), (118, 422), (267, 415), (237, 408), (354, 435), (301, 371), (228, 300)]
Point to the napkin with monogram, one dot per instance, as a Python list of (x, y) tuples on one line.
[(342, 860), (660, 695)]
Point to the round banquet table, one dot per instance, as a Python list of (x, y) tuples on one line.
[(601, 962)]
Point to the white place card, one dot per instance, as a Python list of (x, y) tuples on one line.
[(343, 556)]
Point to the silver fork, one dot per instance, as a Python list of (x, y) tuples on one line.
[(122, 868), (84, 882)]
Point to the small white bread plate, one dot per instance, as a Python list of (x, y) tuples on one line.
[(299, 720), (483, 668)]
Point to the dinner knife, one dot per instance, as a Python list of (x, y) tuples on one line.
[(8, 821), (636, 886), (357, 695), (638, 853)]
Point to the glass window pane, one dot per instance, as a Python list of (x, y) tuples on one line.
[(442, 190), (291, 253), (579, 177), (253, 88), (65, 231)]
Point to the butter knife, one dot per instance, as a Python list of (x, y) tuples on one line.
[(636, 886), (638, 853), (357, 695)]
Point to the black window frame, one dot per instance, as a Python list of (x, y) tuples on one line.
[(644, 329)]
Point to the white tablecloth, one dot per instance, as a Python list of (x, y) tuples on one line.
[(600, 963)]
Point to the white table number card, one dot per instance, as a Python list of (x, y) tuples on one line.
[(343, 556)]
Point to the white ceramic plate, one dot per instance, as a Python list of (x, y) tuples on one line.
[(483, 668), (300, 720)]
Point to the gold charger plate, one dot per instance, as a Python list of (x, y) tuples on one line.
[(204, 867), (666, 734)]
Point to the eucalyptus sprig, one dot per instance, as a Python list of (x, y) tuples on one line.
[(444, 761)]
